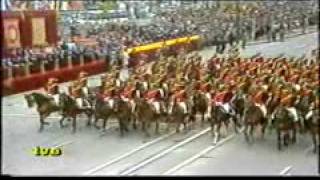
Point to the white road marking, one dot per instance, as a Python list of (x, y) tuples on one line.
[(37, 116), (198, 155), (143, 163), (286, 170), (128, 154), (64, 143), (28, 116)]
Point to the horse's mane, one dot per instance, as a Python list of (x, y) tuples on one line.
[(38, 97), (282, 113), (70, 101)]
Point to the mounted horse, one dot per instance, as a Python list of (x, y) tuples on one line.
[(45, 106), (104, 109), (218, 116), (71, 109), (303, 105), (238, 105), (123, 113), (177, 113), (200, 104), (284, 123), (312, 124), (253, 116), (146, 115)]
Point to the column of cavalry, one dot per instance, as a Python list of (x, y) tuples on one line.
[(278, 93)]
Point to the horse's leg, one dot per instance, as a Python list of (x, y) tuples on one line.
[(143, 126), (61, 122), (263, 129), (294, 135), (218, 132), (251, 132), (41, 123), (226, 125), (234, 119), (126, 123), (212, 126), (314, 140), (134, 122), (245, 132), (121, 127), (167, 125), (89, 114), (185, 126), (105, 120), (177, 126), (44, 116), (74, 124), (156, 125), (96, 118), (202, 119), (279, 139), (286, 138), (192, 121), (146, 129)]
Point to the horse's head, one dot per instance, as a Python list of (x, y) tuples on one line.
[(119, 105), (66, 101), (30, 100), (281, 113)]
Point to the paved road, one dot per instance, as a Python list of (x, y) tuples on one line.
[(88, 152)]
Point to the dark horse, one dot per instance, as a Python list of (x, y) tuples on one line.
[(123, 114), (176, 113), (303, 108), (253, 116), (283, 122), (312, 125), (219, 116), (45, 106), (146, 114), (238, 106), (70, 109), (199, 104), (104, 110)]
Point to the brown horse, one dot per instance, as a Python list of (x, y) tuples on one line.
[(199, 105), (312, 125), (70, 109), (123, 114), (146, 114), (103, 110), (176, 114), (45, 106), (219, 117), (253, 116), (303, 108), (238, 105), (284, 123)]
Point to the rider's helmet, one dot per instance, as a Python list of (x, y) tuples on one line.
[(52, 80), (83, 74)]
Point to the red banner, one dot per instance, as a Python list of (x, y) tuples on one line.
[(11, 33)]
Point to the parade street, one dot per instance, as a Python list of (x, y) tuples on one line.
[(91, 152)]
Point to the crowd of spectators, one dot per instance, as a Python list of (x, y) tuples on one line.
[(217, 26)]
